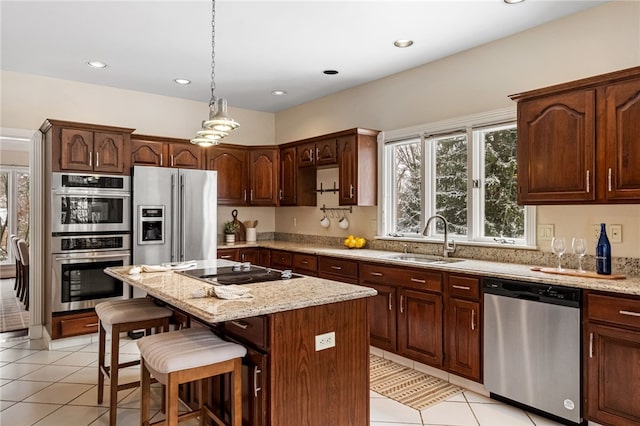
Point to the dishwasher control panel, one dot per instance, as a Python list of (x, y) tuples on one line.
[(536, 292)]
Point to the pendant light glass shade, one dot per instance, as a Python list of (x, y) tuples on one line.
[(219, 123)]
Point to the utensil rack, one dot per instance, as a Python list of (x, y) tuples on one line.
[(322, 190), (336, 209)]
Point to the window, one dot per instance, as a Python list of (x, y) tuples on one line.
[(467, 174), (14, 207)]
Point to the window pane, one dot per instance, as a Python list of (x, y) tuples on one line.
[(408, 160), (451, 183), (502, 215), (23, 206), (4, 214)]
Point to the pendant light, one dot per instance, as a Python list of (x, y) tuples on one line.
[(219, 123)]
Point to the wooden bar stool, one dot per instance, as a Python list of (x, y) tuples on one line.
[(185, 356), (23, 251), (121, 316)]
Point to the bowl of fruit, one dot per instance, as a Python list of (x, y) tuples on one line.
[(354, 242)]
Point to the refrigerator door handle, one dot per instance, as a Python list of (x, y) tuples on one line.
[(173, 213), (183, 231)]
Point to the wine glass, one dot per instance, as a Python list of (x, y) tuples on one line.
[(558, 247), (579, 246)]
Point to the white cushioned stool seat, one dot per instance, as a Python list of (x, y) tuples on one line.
[(189, 355), (129, 310)]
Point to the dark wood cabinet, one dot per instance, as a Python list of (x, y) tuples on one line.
[(265, 257), (577, 141), (281, 259), (80, 147), (306, 264), (228, 254), (263, 177), (613, 354), (251, 255), (358, 169), (74, 324), (333, 268), (463, 341), (420, 326), (165, 152), (381, 311), (231, 165), (323, 152), (288, 177)]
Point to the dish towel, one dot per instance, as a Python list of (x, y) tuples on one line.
[(228, 292), (162, 268)]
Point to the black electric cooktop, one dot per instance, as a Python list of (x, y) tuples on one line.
[(238, 275)]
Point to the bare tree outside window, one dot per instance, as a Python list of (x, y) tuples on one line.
[(408, 160), (14, 208)]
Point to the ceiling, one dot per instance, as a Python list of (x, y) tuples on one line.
[(261, 45)]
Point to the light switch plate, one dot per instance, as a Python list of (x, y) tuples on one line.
[(545, 232), (615, 232)]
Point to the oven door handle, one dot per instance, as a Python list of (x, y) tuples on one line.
[(92, 194), (97, 256)]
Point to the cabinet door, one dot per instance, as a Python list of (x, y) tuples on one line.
[(420, 326), (462, 333), (251, 255), (254, 388), (327, 152), (229, 254), (288, 176), (381, 314), (306, 155), (348, 174), (76, 150), (109, 153), (613, 365), (622, 127), (265, 257), (232, 174), (556, 148), (263, 177), (185, 156), (148, 153)]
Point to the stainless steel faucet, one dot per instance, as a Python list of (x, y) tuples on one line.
[(449, 247)]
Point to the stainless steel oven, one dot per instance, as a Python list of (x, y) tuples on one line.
[(90, 203), (77, 277)]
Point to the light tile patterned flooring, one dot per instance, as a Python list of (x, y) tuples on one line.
[(12, 314), (58, 387)]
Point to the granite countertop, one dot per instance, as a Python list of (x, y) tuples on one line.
[(629, 285), (268, 297)]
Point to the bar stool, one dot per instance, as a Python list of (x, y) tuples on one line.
[(23, 251), (120, 316), (185, 356)]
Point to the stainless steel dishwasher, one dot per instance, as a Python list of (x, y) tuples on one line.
[(532, 347)]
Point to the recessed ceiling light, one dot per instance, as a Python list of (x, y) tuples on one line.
[(513, 1), (96, 64), (403, 43), (279, 92), (181, 81), (330, 72)]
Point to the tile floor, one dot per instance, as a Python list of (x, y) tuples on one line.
[(58, 387)]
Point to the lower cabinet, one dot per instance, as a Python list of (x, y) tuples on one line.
[(420, 326), (613, 359), (76, 324), (250, 254)]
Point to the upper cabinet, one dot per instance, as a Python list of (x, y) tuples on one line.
[(247, 176), (79, 147), (323, 152), (578, 141), (165, 152), (358, 169), (288, 178)]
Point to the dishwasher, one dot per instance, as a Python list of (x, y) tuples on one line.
[(532, 347)]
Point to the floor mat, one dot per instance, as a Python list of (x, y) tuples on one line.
[(409, 387)]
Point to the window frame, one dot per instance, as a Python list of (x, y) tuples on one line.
[(475, 168), (12, 208)]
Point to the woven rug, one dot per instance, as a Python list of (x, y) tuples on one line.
[(409, 387)]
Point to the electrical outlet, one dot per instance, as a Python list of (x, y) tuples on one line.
[(545, 232), (595, 231), (325, 341), (615, 233)]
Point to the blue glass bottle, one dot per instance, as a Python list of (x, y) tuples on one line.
[(603, 252)]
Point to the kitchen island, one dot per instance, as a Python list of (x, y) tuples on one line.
[(296, 371)]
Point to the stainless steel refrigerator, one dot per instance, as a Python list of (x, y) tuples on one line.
[(174, 213)]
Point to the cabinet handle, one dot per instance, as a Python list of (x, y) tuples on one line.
[(281, 196), (590, 345), (609, 179), (461, 287), (390, 301), (317, 153), (630, 313), (337, 268), (256, 388), (376, 274), (251, 195), (304, 262), (473, 319), (171, 160), (225, 256), (93, 324), (90, 159), (242, 325), (417, 280), (401, 302), (589, 182), (244, 194), (242, 257), (161, 162), (351, 191), (97, 159)]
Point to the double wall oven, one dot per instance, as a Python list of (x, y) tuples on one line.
[(90, 231)]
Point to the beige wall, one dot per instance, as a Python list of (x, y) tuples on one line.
[(599, 40), (13, 158)]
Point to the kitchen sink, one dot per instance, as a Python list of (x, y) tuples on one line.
[(422, 258)]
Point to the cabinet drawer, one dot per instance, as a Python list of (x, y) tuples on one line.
[(614, 310), (228, 254), (252, 330), (463, 287), (418, 279), (338, 269), (78, 326), (281, 259), (305, 264)]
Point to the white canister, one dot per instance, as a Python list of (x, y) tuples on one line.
[(251, 235)]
